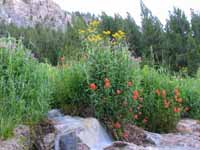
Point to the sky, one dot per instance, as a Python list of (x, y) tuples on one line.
[(159, 8)]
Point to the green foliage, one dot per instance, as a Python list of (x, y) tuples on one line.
[(159, 101), (25, 88)]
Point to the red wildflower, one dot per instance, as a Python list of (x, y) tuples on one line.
[(180, 100), (107, 85), (166, 104), (106, 80), (125, 135), (176, 92), (93, 86), (118, 92), (177, 109), (134, 97), (186, 109), (145, 120), (158, 92), (130, 83), (117, 125), (163, 93), (135, 116)]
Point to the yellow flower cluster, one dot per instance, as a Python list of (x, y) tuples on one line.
[(81, 31), (94, 23), (106, 32), (94, 38), (118, 35)]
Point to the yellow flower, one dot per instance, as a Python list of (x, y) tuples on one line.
[(81, 31), (90, 30), (106, 32), (94, 23), (121, 33)]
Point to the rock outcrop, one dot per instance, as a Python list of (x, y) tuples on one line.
[(31, 12), (20, 141)]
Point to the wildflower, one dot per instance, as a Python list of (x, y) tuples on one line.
[(177, 109), (134, 97), (179, 100), (145, 120), (106, 80), (117, 125), (176, 92), (81, 31), (125, 135), (158, 92), (163, 93), (130, 110), (166, 104), (118, 92), (106, 83), (140, 113), (93, 86), (136, 93), (186, 109), (106, 32), (129, 83), (135, 116)]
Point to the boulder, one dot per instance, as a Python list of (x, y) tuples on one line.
[(20, 141)]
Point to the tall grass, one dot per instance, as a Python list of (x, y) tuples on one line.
[(24, 85)]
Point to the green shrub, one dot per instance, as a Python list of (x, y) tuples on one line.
[(25, 88), (160, 101), (191, 96)]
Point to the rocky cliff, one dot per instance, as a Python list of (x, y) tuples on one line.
[(31, 12)]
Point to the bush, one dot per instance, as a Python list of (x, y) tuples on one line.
[(162, 100), (25, 88), (191, 96)]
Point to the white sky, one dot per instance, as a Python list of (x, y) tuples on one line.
[(159, 8)]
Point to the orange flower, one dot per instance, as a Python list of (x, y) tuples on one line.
[(107, 85), (134, 97), (135, 116), (177, 109), (125, 135), (180, 100), (106, 80), (186, 109), (118, 92), (158, 92), (130, 83), (117, 125), (166, 104), (145, 120), (93, 86), (163, 93), (136, 93), (176, 92)]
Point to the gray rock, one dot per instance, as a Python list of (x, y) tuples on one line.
[(20, 140), (31, 12)]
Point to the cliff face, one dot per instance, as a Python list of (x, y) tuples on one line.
[(31, 12)]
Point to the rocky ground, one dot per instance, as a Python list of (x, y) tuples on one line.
[(61, 132)]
